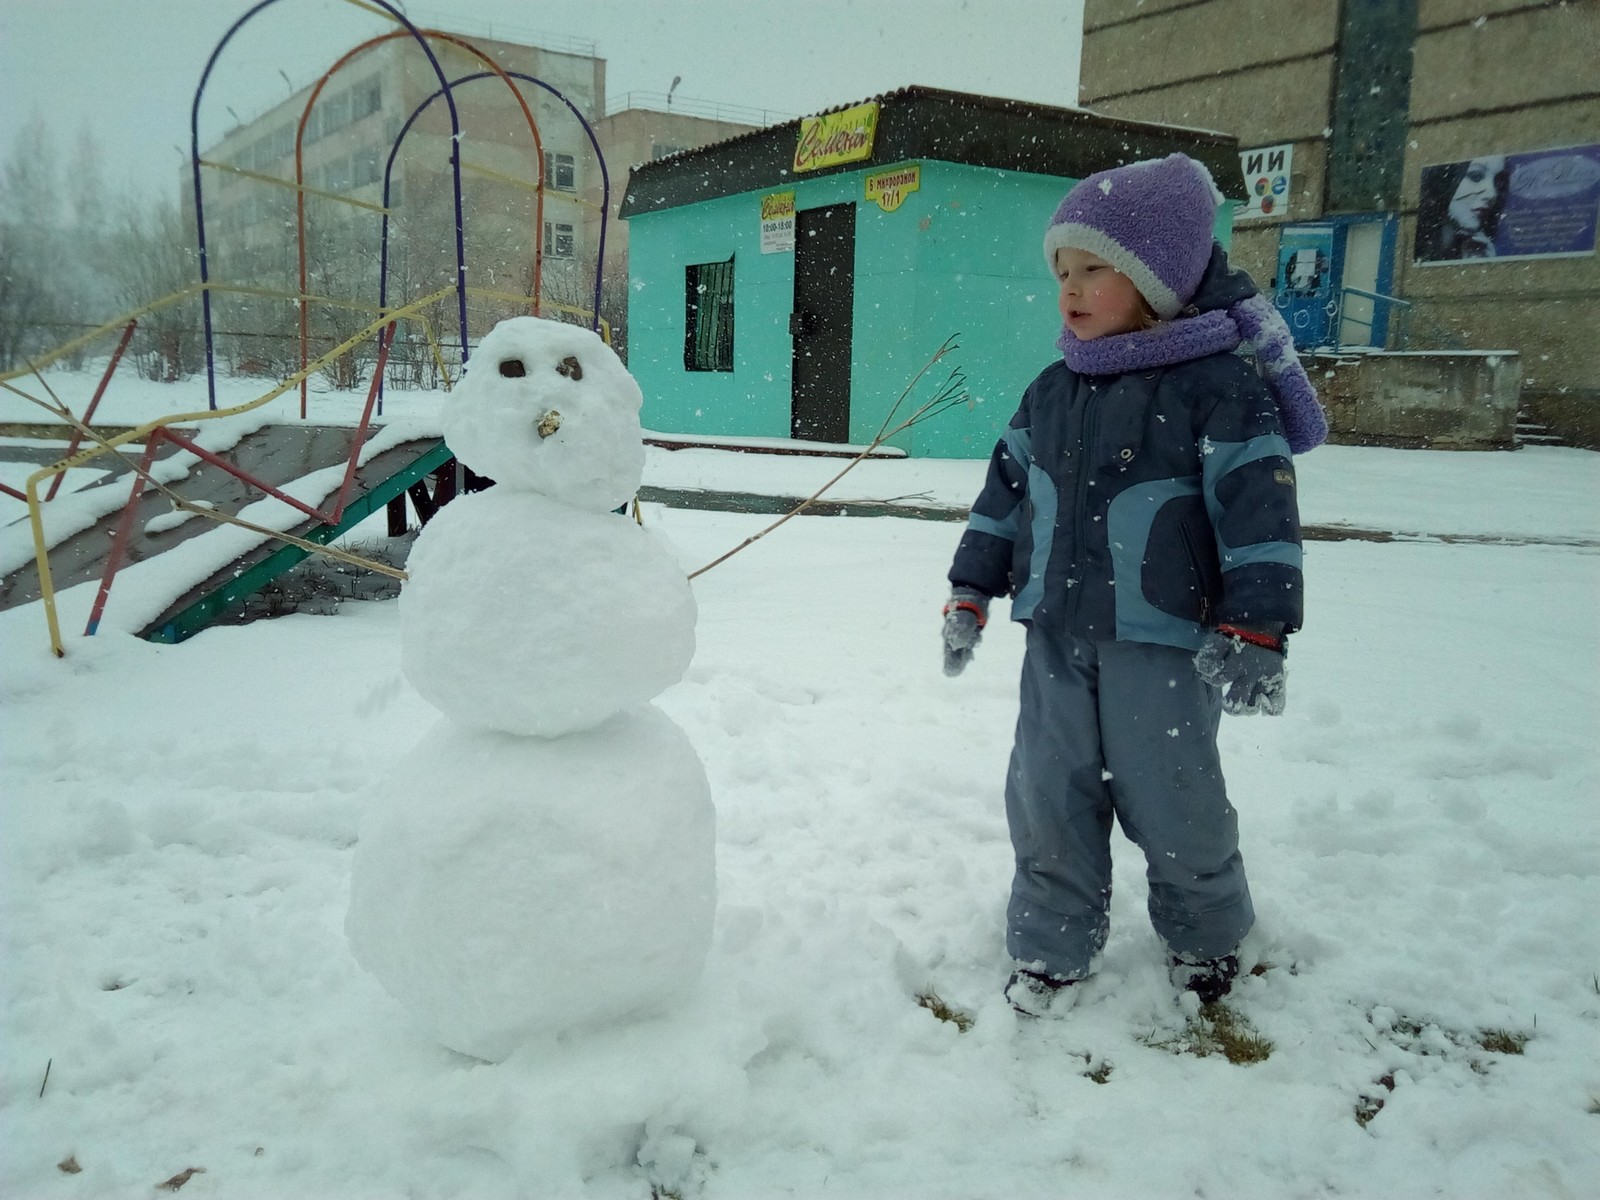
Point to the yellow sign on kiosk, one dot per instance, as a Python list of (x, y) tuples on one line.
[(836, 137), (888, 189)]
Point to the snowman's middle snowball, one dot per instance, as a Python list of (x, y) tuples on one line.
[(530, 616)]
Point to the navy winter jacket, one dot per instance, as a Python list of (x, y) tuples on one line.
[(1149, 506)]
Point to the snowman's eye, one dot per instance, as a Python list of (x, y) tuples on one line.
[(512, 368), (570, 367)]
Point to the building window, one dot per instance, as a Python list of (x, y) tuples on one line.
[(558, 240), (366, 99), (560, 172), (339, 176), (366, 167), (708, 317)]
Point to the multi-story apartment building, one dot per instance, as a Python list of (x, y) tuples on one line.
[(385, 101), (1363, 123)]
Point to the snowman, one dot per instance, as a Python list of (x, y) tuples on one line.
[(542, 860)]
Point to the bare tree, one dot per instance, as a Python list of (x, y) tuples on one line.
[(151, 255), (30, 309), (84, 297)]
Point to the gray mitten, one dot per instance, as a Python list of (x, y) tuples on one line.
[(964, 618), (1248, 668)]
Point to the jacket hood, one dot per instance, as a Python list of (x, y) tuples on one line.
[(1222, 285)]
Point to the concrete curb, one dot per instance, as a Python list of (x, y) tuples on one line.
[(751, 502)]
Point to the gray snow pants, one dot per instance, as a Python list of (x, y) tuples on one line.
[(1125, 728)]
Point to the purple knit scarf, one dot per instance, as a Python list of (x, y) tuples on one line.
[(1253, 322)]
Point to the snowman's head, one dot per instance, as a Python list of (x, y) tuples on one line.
[(549, 408)]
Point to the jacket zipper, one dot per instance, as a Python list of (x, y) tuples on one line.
[(1091, 411), (1199, 575)]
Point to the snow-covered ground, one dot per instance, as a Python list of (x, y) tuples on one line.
[(1421, 829)]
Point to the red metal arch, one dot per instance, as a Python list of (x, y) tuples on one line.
[(299, 170)]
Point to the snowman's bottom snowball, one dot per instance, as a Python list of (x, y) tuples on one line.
[(505, 886)]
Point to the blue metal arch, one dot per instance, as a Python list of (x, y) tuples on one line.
[(199, 204)]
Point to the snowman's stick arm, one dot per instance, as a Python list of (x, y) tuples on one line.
[(793, 512), (952, 392)]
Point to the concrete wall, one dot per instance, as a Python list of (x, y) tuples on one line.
[(1488, 76), (1182, 44), (1520, 79), (1434, 401), (1161, 62)]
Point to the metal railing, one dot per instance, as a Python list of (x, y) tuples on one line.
[(516, 35), (1397, 319), (688, 106), (1382, 316)]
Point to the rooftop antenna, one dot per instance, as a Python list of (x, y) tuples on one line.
[(672, 87)]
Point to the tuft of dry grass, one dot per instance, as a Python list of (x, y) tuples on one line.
[(1369, 1106), (931, 1001), (1502, 1041), (1217, 1029), (1427, 1039)]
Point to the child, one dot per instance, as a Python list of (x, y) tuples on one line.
[(1140, 512)]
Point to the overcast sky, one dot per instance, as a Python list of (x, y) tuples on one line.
[(128, 68)]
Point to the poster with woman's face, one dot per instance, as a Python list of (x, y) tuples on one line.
[(1540, 204)]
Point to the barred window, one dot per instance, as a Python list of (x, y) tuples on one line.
[(560, 171), (558, 240), (708, 320)]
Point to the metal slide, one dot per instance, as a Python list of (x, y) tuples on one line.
[(279, 454)]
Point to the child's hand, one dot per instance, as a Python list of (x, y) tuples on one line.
[(1247, 668), (964, 618)]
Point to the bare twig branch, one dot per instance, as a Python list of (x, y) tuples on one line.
[(950, 393)]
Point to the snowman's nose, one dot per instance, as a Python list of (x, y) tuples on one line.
[(548, 424)]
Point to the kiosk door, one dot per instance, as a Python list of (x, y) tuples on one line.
[(820, 325)]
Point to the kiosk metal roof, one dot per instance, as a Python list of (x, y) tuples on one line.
[(918, 123)]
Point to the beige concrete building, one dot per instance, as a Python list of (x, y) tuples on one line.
[(1378, 110), (645, 126), (346, 144)]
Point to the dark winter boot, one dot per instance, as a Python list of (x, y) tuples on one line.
[(1208, 978), (1035, 994)]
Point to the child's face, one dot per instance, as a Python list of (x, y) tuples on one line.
[(1096, 299)]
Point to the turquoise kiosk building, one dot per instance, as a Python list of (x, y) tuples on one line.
[(788, 283)]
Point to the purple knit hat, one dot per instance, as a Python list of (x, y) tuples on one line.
[(1151, 220)]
